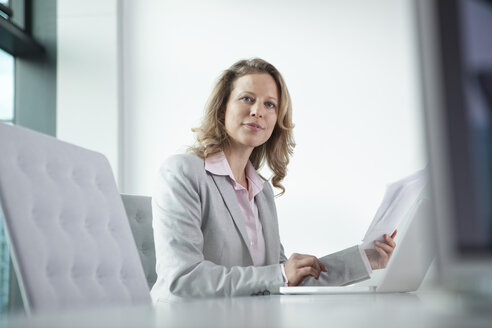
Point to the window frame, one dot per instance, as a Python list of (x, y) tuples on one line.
[(16, 39)]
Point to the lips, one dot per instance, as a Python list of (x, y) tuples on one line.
[(254, 126)]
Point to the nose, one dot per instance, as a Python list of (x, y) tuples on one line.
[(257, 110)]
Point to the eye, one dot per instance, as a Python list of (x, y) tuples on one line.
[(270, 105), (247, 99)]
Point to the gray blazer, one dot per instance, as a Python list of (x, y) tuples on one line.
[(202, 248)]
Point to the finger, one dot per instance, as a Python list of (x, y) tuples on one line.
[(387, 248), (306, 260), (317, 271), (383, 258), (323, 267), (390, 241), (394, 234), (308, 271), (309, 261), (383, 254), (316, 265)]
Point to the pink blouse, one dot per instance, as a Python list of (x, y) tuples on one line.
[(217, 164)]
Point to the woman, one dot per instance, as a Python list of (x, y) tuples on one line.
[(215, 223)]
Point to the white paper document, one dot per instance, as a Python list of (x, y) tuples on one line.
[(399, 198)]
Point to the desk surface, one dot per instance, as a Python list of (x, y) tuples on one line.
[(430, 309)]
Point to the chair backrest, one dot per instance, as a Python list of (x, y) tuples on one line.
[(139, 212), (70, 239)]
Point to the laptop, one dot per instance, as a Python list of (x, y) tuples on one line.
[(408, 265)]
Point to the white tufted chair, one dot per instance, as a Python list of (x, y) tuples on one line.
[(139, 211), (70, 239)]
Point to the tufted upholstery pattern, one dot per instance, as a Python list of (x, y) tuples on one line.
[(139, 212), (70, 239)]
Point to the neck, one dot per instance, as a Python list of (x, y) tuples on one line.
[(237, 159)]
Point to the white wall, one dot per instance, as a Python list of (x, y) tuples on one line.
[(350, 67), (88, 79)]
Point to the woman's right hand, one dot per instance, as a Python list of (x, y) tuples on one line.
[(299, 266)]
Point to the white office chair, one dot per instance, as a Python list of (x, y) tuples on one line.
[(139, 211), (70, 239)]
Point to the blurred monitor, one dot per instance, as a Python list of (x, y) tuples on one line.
[(455, 44)]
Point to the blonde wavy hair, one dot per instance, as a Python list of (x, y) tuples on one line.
[(211, 135)]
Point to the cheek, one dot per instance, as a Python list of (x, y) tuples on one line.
[(227, 122), (229, 119), (233, 114)]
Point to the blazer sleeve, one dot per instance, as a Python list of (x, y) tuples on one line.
[(344, 268), (180, 264), (283, 258)]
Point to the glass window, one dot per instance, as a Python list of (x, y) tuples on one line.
[(6, 86), (4, 269), (5, 3), (6, 116)]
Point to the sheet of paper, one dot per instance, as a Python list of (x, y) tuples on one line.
[(399, 198)]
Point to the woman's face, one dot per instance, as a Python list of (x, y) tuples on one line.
[(251, 112)]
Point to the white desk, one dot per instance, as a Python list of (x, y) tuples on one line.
[(430, 309)]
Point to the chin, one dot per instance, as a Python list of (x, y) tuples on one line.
[(255, 143), (250, 141)]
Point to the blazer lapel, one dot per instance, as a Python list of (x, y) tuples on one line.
[(269, 232), (229, 196)]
